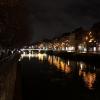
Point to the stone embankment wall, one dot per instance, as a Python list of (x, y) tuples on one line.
[(8, 71)]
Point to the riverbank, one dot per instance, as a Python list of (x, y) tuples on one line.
[(8, 71), (90, 57)]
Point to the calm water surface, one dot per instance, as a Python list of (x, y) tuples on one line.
[(50, 77)]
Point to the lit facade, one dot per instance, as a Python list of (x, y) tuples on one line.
[(74, 42)]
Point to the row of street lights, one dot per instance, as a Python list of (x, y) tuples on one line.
[(87, 44)]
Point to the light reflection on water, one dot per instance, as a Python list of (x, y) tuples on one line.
[(36, 55), (86, 72), (60, 64)]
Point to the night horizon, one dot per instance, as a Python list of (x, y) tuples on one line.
[(37, 20), (49, 49), (51, 18)]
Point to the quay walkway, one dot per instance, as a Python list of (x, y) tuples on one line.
[(8, 73)]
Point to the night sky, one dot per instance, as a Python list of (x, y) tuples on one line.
[(50, 18)]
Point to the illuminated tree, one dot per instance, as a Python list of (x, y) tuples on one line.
[(89, 40)]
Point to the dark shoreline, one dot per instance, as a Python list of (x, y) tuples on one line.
[(8, 71), (87, 57)]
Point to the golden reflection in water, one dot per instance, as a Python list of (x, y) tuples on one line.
[(50, 59), (36, 55), (67, 69), (60, 64), (88, 77), (82, 66), (42, 56)]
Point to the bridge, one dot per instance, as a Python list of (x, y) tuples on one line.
[(33, 49), (39, 50)]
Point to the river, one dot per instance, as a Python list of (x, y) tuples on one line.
[(46, 77)]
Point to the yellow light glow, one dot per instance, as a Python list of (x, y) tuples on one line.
[(60, 64), (89, 79), (39, 56), (86, 38)]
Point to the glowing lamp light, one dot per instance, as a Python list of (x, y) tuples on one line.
[(85, 50), (94, 49), (66, 48), (80, 47), (63, 49)]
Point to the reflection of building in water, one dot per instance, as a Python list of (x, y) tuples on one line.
[(88, 77), (37, 55), (68, 66), (50, 59), (60, 64), (42, 56)]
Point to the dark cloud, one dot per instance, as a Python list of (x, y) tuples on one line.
[(48, 18)]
